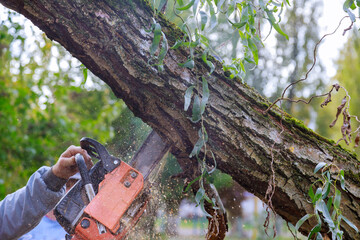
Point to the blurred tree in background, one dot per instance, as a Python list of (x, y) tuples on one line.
[(46, 105), (289, 60)]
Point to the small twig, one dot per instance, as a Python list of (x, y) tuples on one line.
[(271, 187), (287, 224), (349, 28)]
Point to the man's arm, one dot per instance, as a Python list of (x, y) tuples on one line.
[(22, 210)]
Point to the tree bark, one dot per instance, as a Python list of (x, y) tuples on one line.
[(109, 38)]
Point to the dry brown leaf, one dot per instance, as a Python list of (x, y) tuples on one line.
[(346, 127), (339, 109), (336, 86), (357, 140), (327, 100)]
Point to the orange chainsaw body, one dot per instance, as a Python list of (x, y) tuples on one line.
[(109, 198), (114, 206)]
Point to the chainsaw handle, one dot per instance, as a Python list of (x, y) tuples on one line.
[(93, 148), (80, 161), (97, 150)]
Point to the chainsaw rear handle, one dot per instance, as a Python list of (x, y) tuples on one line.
[(97, 150), (93, 147), (80, 161)]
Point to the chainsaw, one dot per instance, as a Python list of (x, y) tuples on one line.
[(110, 197)]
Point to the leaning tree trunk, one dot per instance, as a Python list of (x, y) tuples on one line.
[(109, 38)]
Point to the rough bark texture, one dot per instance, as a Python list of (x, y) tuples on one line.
[(109, 38)]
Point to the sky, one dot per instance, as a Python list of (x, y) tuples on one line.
[(330, 48)]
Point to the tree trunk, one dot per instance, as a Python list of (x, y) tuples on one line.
[(109, 38)]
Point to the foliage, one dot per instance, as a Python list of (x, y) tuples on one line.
[(195, 37), (326, 199), (201, 19)]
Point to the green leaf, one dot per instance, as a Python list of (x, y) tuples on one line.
[(350, 223), (249, 60), (196, 113), (319, 166), (275, 25), (347, 4), (180, 2), (342, 180), (353, 6), (302, 220), (204, 19), (191, 183), (199, 195), (203, 134), (213, 20), (230, 10), (204, 40), (85, 73), (197, 147), (177, 44), (324, 210), (254, 50), (186, 7), (311, 193), (326, 190), (164, 49), (315, 230), (237, 25), (351, 15), (318, 195), (188, 64), (208, 199), (319, 237), (337, 199), (156, 41), (244, 15), (220, 4), (203, 209), (339, 235), (207, 62), (195, 6), (329, 203), (205, 95), (188, 96)]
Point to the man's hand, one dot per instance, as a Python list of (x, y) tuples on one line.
[(66, 165)]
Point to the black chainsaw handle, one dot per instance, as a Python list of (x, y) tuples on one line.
[(93, 148), (97, 150), (80, 161)]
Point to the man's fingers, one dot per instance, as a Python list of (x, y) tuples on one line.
[(68, 161), (73, 150)]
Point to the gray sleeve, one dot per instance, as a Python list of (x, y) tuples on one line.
[(22, 210)]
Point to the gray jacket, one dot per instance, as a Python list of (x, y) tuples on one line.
[(22, 210)]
